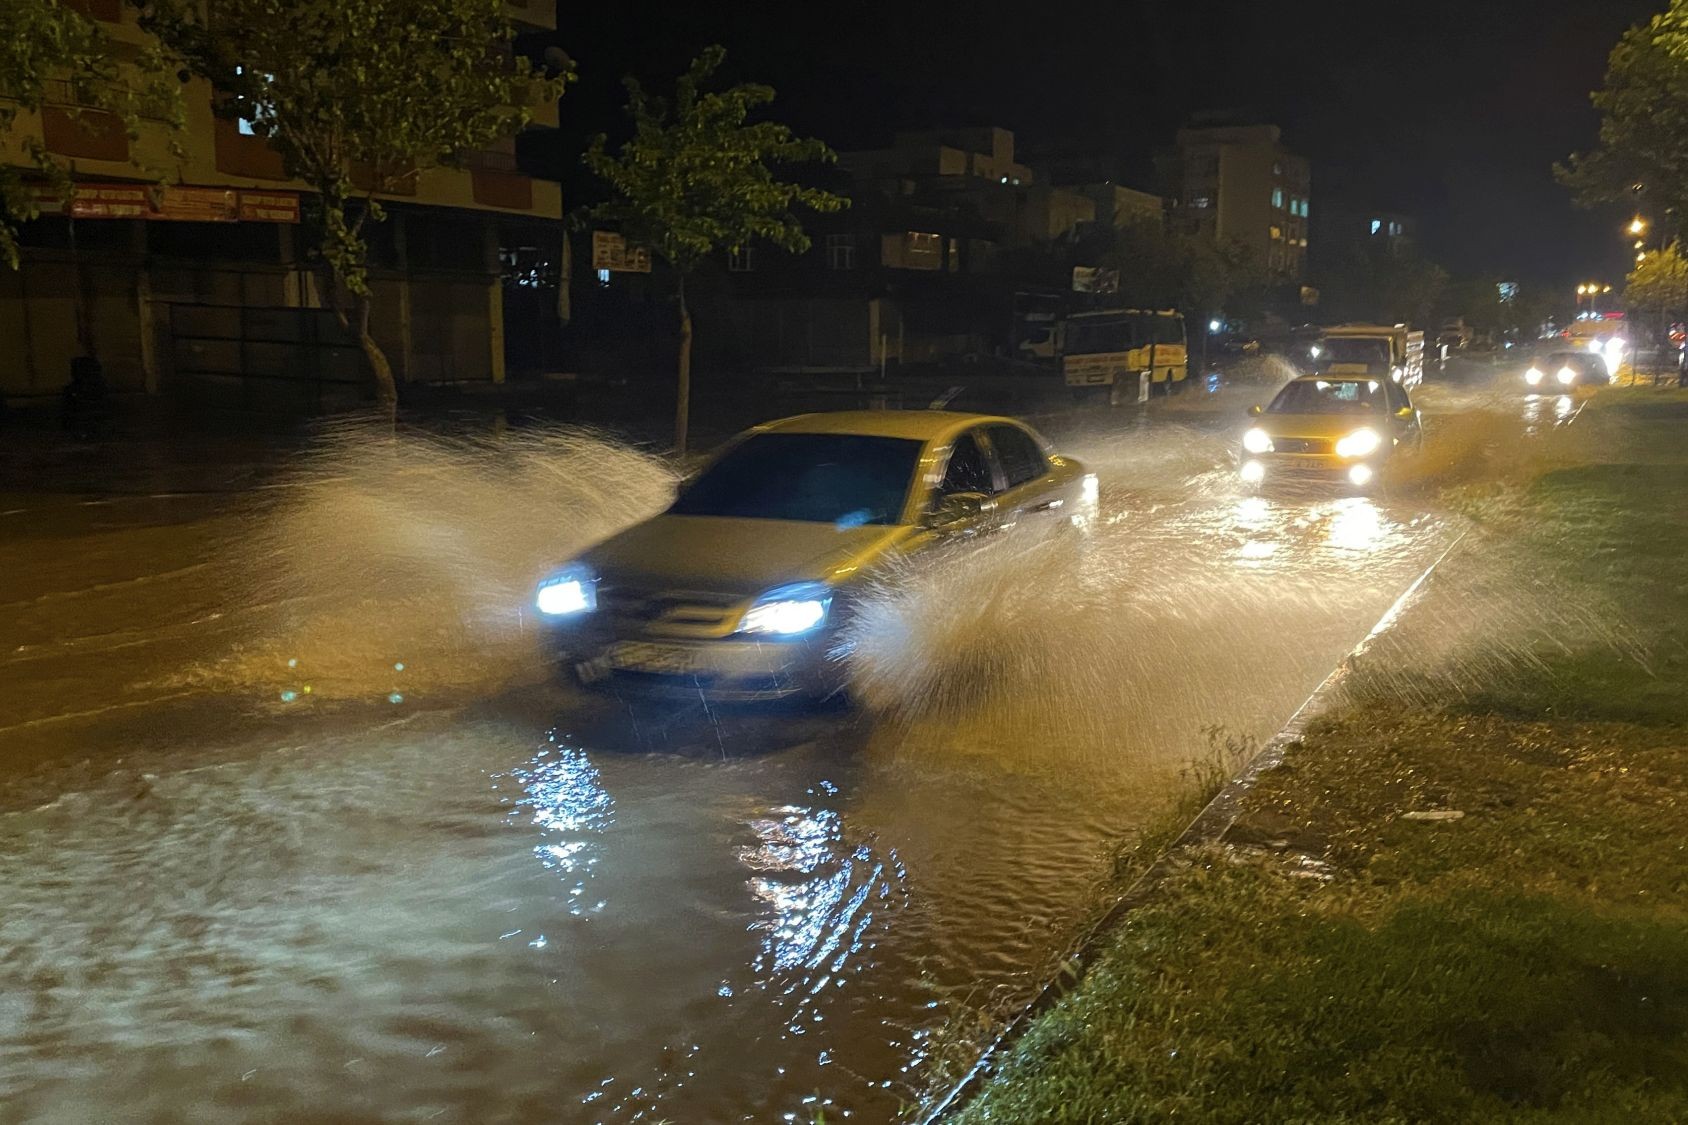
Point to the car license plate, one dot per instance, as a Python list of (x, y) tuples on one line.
[(643, 656)]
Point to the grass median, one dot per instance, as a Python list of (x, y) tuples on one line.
[(1462, 895)]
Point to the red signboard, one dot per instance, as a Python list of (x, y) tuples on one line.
[(110, 201), (269, 206), (170, 203), (193, 205)]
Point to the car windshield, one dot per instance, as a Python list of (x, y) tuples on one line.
[(843, 479), (1329, 396), (1566, 359), (1355, 349)]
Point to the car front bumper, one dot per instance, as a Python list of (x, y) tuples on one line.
[(1310, 468), (733, 669)]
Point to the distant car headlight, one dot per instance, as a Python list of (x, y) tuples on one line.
[(1257, 440), (788, 611), (1566, 376), (571, 591), (1534, 376), (1360, 443)]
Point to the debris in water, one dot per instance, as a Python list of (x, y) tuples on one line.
[(1432, 815)]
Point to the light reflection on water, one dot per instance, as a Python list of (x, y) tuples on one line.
[(563, 798)]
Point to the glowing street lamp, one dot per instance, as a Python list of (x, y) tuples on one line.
[(1638, 225)]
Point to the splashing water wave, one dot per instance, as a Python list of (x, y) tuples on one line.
[(398, 567)]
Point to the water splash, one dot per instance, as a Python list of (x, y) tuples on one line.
[(399, 567)]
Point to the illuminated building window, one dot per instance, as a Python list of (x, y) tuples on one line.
[(1278, 198)]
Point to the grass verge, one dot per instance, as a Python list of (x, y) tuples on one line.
[(1462, 895)]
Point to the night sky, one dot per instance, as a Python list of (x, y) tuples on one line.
[(1451, 111)]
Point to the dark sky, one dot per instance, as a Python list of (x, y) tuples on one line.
[(1453, 111)]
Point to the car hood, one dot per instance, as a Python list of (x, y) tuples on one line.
[(737, 556), (1331, 426)]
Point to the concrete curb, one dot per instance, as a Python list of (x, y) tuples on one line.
[(1209, 825)]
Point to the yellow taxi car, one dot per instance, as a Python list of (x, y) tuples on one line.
[(1341, 428), (743, 589)]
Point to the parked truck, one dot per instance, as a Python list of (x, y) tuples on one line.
[(1394, 351)]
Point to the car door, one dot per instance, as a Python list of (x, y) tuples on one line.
[(1030, 496), (971, 472)]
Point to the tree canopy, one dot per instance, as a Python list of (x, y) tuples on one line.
[(1643, 147), (358, 99), (698, 176), (1658, 285), (46, 42)]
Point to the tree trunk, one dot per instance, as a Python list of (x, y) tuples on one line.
[(683, 399), (386, 390)]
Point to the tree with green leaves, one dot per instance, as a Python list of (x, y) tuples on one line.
[(1642, 157), (45, 43), (1656, 292), (698, 177), (359, 99), (1659, 283)]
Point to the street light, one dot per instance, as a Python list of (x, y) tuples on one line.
[(1638, 225)]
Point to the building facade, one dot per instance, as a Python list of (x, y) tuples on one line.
[(180, 262), (1238, 184)]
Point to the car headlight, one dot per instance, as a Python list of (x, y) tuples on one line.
[(1257, 440), (788, 611), (571, 591), (1359, 443), (1533, 376), (1566, 376)]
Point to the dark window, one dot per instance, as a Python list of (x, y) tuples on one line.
[(1329, 396), (1101, 336), (1166, 329), (841, 251), (1370, 351), (968, 470), (844, 479), (1018, 453)]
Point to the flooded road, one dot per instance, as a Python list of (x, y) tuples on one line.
[(293, 825)]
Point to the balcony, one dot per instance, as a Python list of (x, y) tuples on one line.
[(532, 15)]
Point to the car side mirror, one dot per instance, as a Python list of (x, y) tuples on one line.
[(1404, 412), (1256, 410), (956, 511)]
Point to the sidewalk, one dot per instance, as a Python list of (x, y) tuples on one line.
[(1461, 896)]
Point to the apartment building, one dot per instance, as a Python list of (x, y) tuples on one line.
[(1238, 184), (180, 260)]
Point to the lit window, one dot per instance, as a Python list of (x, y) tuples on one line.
[(1376, 225), (1201, 202), (1277, 233), (1278, 198), (603, 277), (1394, 229), (923, 251), (841, 251)]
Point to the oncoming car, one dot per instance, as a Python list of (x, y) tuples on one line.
[(1558, 372), (743, 588), (1334, 427)]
